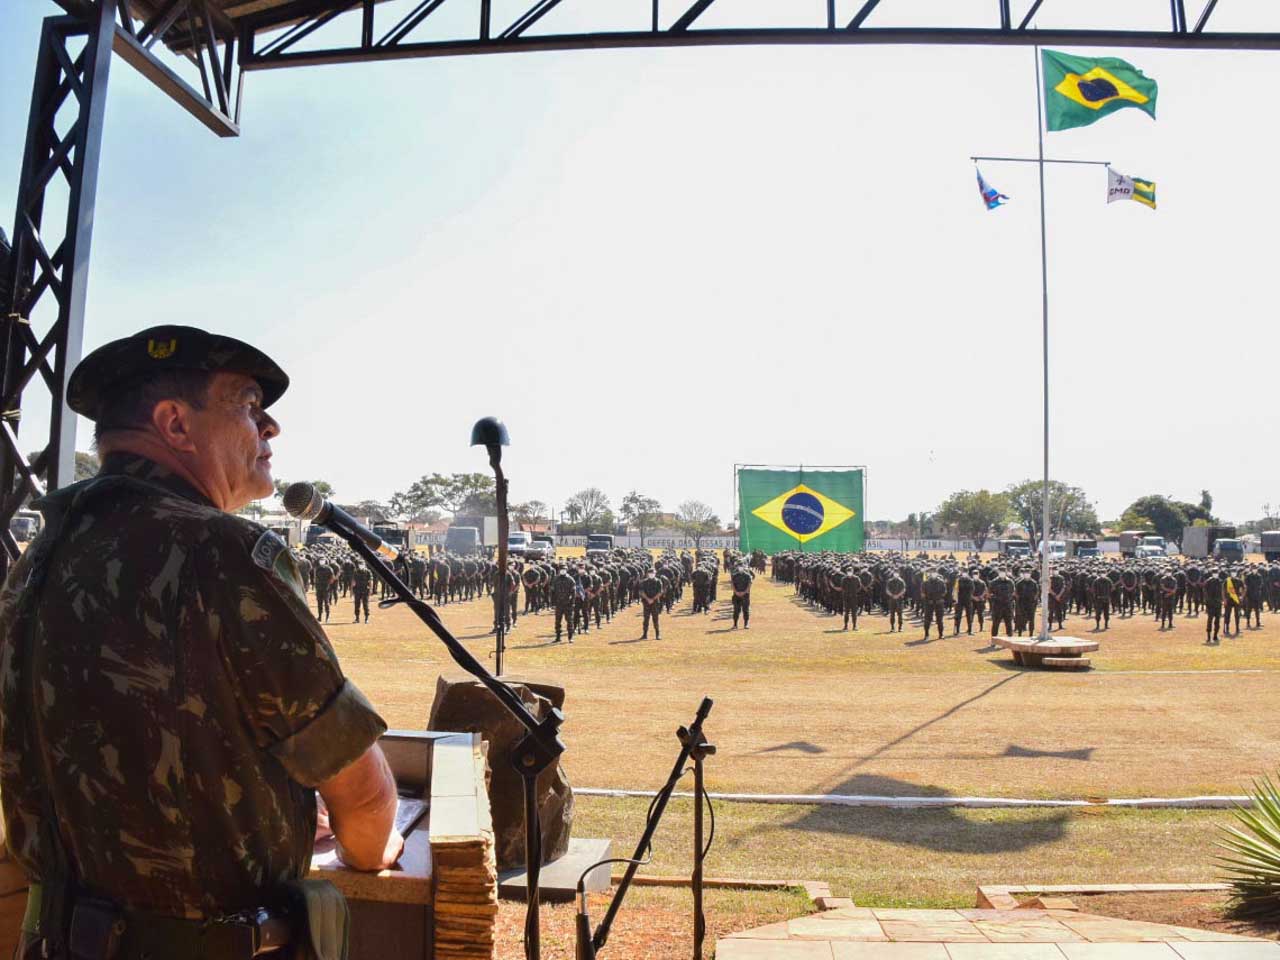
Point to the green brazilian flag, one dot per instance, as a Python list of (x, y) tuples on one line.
[(1080, 90), (810, 510)]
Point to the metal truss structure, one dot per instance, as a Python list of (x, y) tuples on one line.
[(677, 25), (43, 292), (44, 283)]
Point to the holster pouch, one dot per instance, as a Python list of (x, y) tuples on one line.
[(325, 920), (97, 927)]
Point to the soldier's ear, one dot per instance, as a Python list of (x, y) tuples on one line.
[(172, 421)]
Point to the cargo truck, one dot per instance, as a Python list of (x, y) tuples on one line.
[(1200, 541), (1084, 547), (1271, 545), (1014, 547), (1130, 540)]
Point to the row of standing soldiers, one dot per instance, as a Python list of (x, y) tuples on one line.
[(931, 589)]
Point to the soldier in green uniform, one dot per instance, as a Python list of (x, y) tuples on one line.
[(651, 599), (168, 704), (563, 593), (361, 584), (741, 579), (324, 588)]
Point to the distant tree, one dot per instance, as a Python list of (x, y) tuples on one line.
[(1069, 509), (456, 493), (589, 507), (531, 511), (1156, 512), (1206, 502), (86, 465), (642, 511), (323, 487), (696, 519), (375, 511), (972, 514)]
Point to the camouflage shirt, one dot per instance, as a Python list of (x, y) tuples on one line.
[(166, 695)]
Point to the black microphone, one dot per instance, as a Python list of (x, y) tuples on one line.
[(302, 501)]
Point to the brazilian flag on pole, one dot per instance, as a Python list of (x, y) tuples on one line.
[(1080, 90), (809, 510)]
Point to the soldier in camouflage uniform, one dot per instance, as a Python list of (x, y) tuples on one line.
[(651, 597), (361, 584), (964, 601), (741, 581), (164, 687), (324, 589), (933, 593), (1002, 589), (563, 591), (1212, 590)]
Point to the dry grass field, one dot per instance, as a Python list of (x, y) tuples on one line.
[(804, 707)]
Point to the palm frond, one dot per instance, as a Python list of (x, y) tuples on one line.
[(1252, 860)]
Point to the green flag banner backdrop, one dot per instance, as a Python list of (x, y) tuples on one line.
[(800, 509)]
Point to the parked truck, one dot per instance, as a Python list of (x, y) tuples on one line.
[(1200, 541), (1015, 547), (1271, 545), (1130, 540), (1082, 547), (599, 544), (1151, 546)]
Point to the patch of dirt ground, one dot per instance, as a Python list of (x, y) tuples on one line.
[(1206, 910), (653, 924)]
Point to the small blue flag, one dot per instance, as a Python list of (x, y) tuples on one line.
[(990, 195)]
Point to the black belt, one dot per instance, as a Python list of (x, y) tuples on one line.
[(102, 931)]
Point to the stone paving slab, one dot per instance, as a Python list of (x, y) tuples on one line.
[(1003, 951), (855, 933), (1118, 951), (889, 951), (1255, 950), (933, 931), (735, 949)]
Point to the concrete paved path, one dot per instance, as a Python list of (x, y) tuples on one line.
[(857, 933)]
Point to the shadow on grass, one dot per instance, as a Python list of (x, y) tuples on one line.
[(801, 746), (618, 643), (1015, 751), (534, 646), (945, 830)]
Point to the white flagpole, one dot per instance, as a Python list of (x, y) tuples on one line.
[(1044, 287)]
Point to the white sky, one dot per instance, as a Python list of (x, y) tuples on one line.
[(654, 264)]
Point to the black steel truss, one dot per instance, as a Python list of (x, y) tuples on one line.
[(273, 37), (51, 260)]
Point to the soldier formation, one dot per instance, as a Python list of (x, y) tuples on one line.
[(931, 589), (579, 592)]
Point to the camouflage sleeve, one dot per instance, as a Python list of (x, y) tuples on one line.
[(288, 682)]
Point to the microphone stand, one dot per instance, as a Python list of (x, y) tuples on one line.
[(692, 744), (504, 529), (537, 750)]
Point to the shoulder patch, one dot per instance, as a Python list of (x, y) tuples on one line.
[(268, 549), (272, 554)]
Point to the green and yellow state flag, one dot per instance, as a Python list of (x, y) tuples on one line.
[(1080, 90), (808, 510)]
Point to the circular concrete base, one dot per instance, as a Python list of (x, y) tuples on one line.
[(1056, 653)]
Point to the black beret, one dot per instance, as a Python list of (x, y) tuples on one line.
[(162, 349)]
